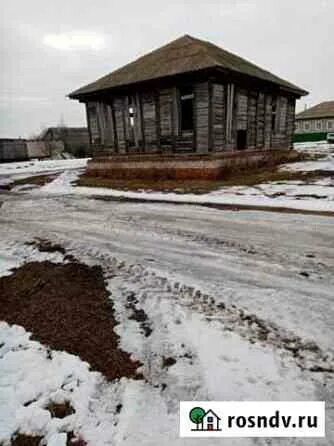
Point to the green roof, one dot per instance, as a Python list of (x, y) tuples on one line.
[(184, 55)]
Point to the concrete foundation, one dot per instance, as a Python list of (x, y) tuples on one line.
[(181, 166)]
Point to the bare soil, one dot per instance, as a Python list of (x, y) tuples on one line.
[(35, 180), (60, 410), (72, 440), (46, 246), (28, 440), (138, 315), (67, 307), (38, 180), (25, 440)]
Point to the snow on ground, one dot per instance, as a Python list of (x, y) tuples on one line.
[(18, 170), (193, 272), (317, 196), (36, 166), (310, 196), (32, 376), (14, 255), (179, 263), (325, 164), (314, 147)]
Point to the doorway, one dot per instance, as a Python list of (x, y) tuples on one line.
[(241, 139)]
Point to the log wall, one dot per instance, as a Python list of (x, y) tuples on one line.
[(221, 110)]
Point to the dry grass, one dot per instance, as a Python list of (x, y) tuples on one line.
[(178, 186), (265, 175)]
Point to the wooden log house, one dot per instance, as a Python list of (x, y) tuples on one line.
[(187, 110)]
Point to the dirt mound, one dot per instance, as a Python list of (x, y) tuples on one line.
[(67, 307)]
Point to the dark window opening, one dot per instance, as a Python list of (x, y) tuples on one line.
[(187, 110), (241, 139)]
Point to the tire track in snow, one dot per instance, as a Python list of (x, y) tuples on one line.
[(146, 285)]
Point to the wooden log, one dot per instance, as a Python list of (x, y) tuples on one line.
[(218, 117), (251, 121), (166, 119), (242, 108), (267, 121), (201, 111), (93, 122), (260, 117), (290, 121), (88, 125), (119, 123), (149, 119)]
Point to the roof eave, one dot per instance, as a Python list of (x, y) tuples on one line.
[(81, 96), (296, 91), (301, 118), (84, 95), (293, 89)]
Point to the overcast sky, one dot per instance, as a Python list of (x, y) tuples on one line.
[(50, 48)]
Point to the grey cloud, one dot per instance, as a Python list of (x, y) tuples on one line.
[(291, 38)]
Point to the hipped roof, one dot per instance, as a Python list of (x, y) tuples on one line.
[(184, 55)]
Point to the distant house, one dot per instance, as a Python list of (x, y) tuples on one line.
[(314, 123), (51, 143), (187, 109), (17, 149), (13, 149), (75, 139)]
